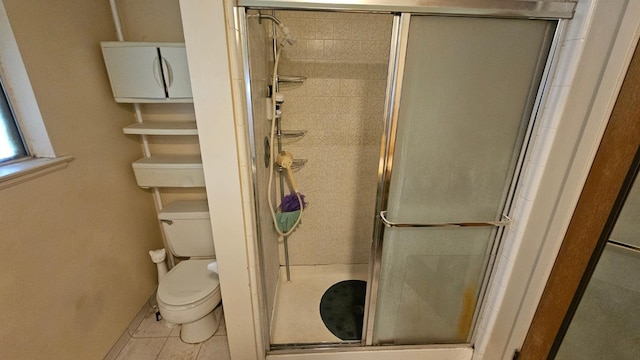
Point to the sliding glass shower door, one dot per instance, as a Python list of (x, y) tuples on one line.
[(459, 120)]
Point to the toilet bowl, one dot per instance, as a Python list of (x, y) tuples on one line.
[(188, 295)]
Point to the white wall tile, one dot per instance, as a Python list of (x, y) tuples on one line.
[(579, 24), (519, 218), (568, 62), (531, 181), (556, 99), (542, 146)]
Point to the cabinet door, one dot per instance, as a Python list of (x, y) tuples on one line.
[(176, 72), (134, 72)]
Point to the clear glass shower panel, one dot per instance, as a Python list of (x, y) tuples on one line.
[(466, 98)]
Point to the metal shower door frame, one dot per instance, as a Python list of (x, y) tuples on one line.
[(398, 48), (395, 73), (399, 44), (242, 43)]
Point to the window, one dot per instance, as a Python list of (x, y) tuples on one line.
[(12, 145), (23, 135)]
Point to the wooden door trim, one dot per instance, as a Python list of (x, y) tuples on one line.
[(604, 183)]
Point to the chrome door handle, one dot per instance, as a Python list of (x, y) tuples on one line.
[(505, 222)]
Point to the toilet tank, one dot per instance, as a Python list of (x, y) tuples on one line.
[(187, 228)]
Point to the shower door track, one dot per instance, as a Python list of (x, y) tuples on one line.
[(551, 10), (304, 347)]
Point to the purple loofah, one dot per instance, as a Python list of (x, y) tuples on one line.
[(291, 203)]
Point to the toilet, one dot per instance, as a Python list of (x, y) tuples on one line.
[(189, 294)]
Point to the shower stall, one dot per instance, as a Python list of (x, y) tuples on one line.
[(409, 127)]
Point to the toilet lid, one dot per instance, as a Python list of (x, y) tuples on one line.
[(188, 282)]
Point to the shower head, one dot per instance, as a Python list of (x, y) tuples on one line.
[(285, 160), (285, 30), (287, 34)]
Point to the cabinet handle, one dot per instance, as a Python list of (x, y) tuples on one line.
[(157, 72), (166, 70)]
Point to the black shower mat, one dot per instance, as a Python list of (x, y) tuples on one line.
[(342, 308)]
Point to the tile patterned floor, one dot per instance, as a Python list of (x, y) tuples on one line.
[(148, 339), (297, 320)]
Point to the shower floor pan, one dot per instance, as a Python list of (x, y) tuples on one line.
[(296, 317)]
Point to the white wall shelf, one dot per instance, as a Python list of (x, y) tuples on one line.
[(162, 128), (169, 171)]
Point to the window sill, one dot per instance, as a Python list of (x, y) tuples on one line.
[(22, 171)]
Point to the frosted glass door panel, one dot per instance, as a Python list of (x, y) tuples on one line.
[(430, 287), (466, 98), (176, 72)]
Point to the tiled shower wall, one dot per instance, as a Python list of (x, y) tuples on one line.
[(341, 105)]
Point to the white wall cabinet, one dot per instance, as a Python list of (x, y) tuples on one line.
[(142, 72)]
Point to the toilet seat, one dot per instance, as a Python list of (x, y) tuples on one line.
[(188, 284)]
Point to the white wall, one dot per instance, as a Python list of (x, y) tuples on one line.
[(226, 165)]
